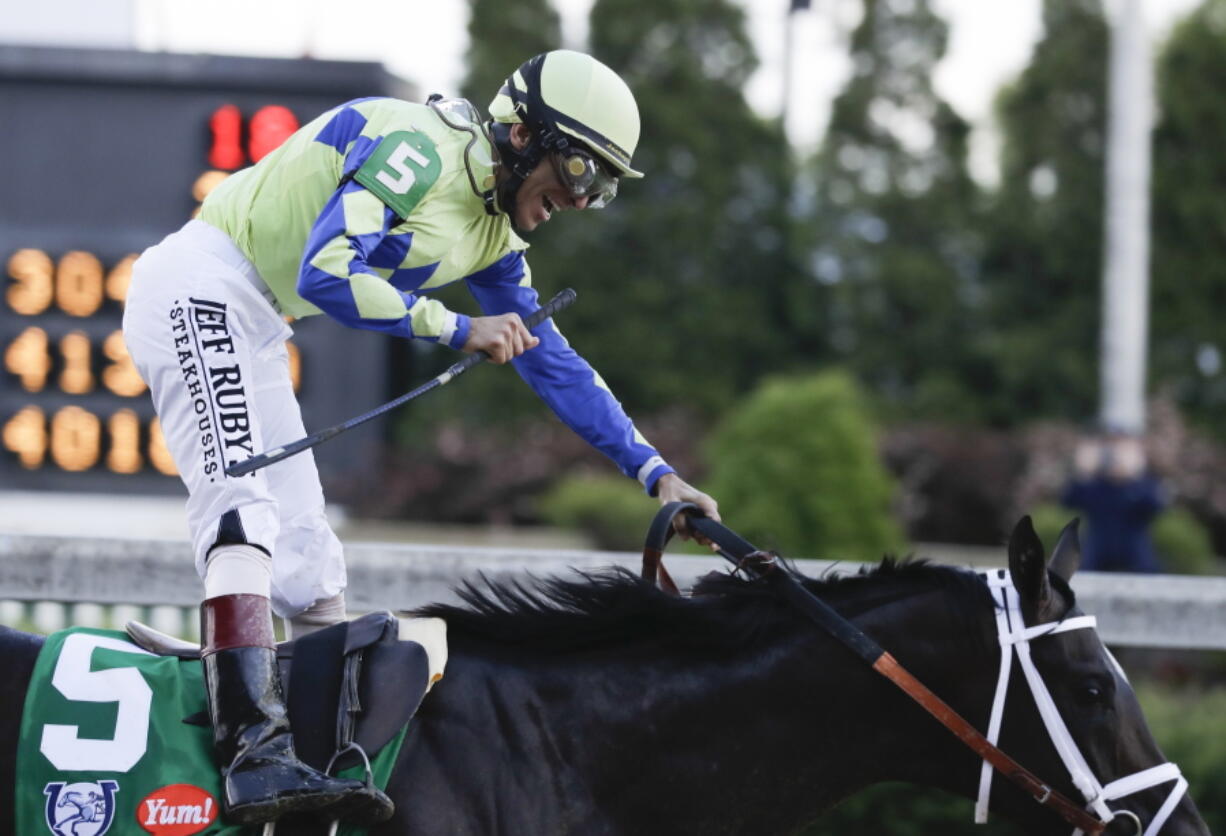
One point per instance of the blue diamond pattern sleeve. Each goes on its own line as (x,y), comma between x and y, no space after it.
(563,379)
(351,241)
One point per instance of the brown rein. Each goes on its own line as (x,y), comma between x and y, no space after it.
(744,556)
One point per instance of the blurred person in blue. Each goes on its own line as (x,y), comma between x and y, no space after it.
(361,214)
(1120,497)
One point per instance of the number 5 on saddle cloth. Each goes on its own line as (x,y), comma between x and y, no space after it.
(114,732)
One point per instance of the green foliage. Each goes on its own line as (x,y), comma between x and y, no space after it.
(1189,218)
(795,467)
(1182,541)
(1042,265)
(501,37)
(892,239)
(1049,520)
(1190,727)
(686,289)
(685,284)
(945,302)
(612,510)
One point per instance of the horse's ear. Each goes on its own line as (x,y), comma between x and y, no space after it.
(1028,567)
(1066,556)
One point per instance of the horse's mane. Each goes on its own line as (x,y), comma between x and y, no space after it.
(615,606)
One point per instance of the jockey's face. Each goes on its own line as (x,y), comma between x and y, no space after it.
(542,193)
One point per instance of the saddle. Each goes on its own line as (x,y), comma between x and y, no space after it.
(350,688)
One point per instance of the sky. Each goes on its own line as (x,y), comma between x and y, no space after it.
(425,41)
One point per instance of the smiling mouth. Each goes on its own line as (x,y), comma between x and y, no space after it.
(548,204)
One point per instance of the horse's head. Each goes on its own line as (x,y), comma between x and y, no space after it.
(1070,714)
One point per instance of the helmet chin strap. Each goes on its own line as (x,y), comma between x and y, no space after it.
(518,163)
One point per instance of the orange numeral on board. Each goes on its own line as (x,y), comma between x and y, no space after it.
(78,283)
(119,278)
(76,436)
(121,376)
(26,435)
(74,440)
(76,378)
(124,456)
(28,357)
(34,289)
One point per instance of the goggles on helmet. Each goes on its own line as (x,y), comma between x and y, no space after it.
(583,175)
(460,115)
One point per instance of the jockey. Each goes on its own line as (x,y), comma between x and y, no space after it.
(360,215)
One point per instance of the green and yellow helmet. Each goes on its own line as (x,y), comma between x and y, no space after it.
(570,101)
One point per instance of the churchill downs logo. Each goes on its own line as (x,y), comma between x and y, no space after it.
(214,381)
(81,809)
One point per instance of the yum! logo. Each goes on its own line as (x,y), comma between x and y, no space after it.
(176,810)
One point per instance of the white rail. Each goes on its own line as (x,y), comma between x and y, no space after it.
(1171,611)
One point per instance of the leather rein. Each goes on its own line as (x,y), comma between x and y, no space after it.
(745,557)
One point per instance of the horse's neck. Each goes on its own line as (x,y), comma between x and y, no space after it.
(758,741)
(765,741)
(749,744)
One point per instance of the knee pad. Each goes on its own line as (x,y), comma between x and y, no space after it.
(237,570)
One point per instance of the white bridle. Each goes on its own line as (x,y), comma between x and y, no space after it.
(1015,635)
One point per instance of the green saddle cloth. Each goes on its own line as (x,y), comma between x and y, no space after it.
(104,748)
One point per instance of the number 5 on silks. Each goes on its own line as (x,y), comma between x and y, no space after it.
(397,162)
(401,170)
(73,677)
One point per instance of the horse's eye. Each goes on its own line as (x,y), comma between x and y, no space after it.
(1090,695)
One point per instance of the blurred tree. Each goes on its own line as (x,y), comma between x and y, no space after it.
(893,242)
(1189,218)
(1042,267)
(686,289)
(501,37)
(613,512)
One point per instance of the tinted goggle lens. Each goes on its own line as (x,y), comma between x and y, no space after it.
(584,176)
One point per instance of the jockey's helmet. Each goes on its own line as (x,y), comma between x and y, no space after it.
(578,109)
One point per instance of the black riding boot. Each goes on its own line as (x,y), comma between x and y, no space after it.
(265,780)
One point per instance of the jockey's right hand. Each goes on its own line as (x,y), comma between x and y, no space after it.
(502,337)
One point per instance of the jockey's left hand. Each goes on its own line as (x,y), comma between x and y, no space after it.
(672,488)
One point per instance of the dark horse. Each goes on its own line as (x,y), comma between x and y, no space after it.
(600,705)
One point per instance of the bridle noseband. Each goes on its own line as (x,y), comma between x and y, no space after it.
(1012,634)
(1015,637)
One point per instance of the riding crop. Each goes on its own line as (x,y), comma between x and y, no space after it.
(744,556)
(559,302)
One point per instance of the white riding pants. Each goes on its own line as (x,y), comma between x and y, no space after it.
(211,347)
